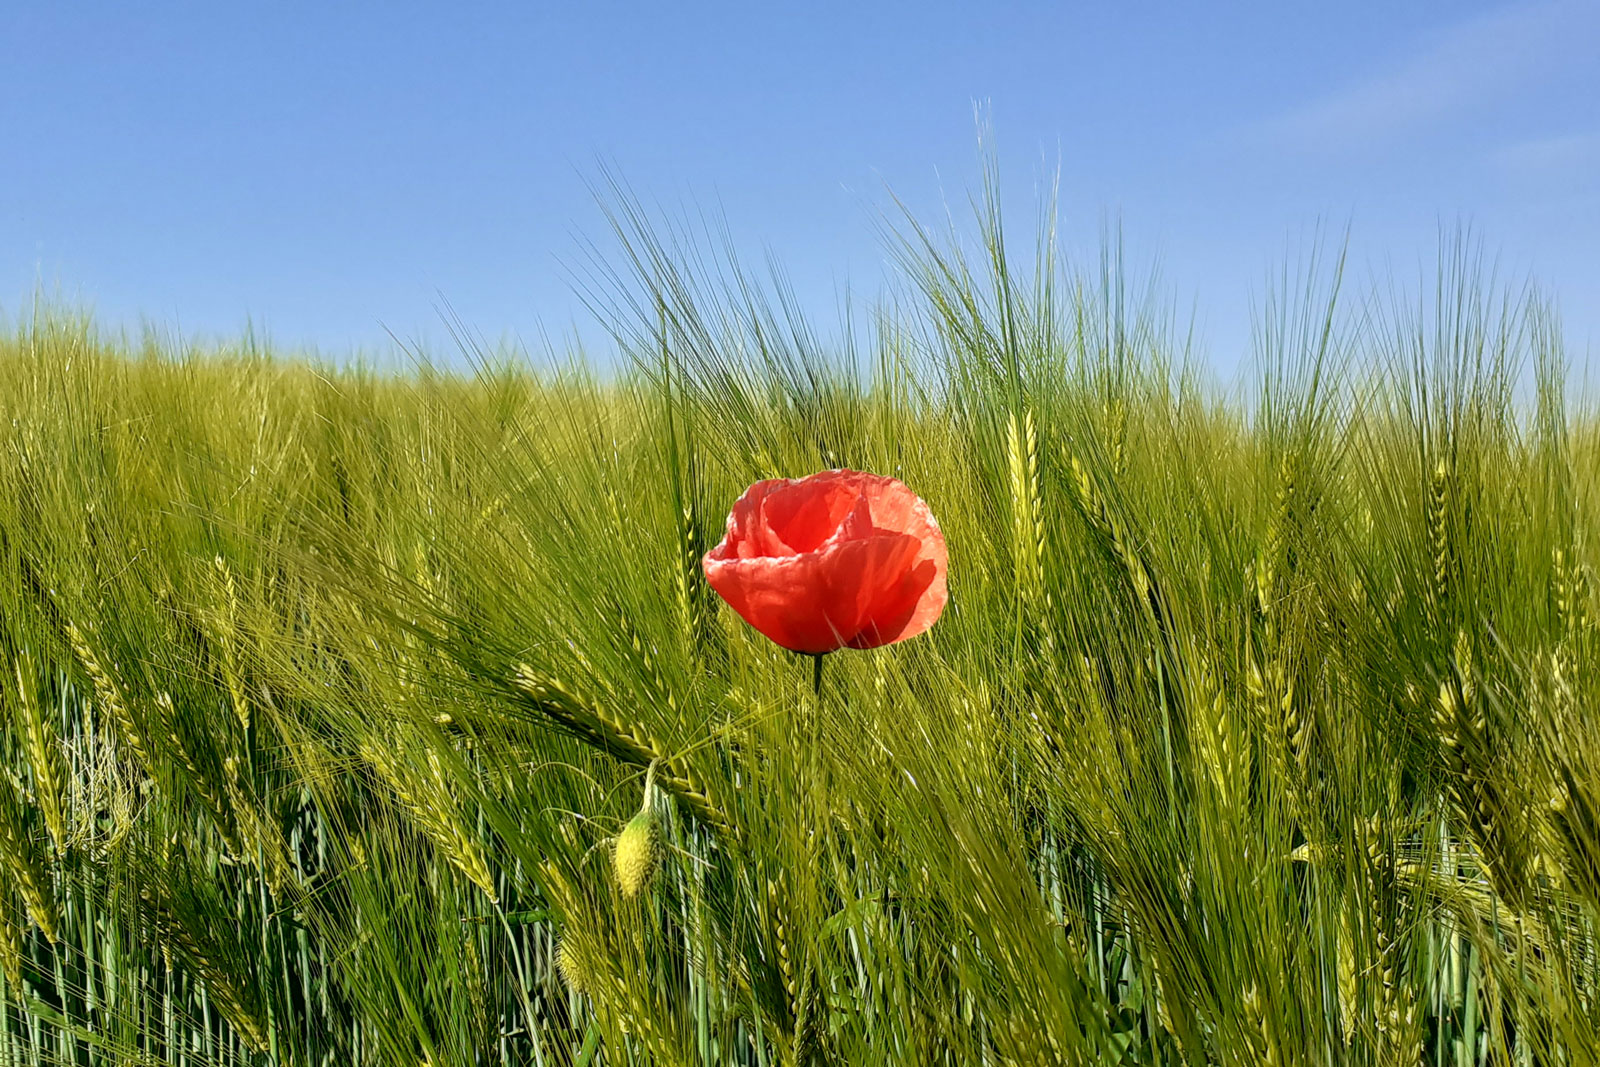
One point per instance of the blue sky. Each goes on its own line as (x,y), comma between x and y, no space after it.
(330,171)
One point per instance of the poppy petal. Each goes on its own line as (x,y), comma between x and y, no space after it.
(803,516)
(838,559)
(764,593)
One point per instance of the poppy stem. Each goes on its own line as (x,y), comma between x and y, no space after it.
(816,673)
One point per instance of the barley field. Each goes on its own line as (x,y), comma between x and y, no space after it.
(1262,726)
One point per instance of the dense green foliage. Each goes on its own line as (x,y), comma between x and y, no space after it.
(1257,731)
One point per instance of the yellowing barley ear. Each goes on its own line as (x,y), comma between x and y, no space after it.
(637,851)
(43,749)
(12,932)
(109,695)
(1022,453)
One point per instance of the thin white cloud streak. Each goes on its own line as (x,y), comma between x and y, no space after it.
(1469,63)
(1570,155)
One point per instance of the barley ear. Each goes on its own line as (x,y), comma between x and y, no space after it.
(1027,509)
(1479,800)
(43,749)
(593,723)
(1439,532)
(24,862)
(112,701)
(13,934)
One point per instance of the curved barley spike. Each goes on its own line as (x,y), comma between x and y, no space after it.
(20,855)
(43,749)
(647,657)
(1116,418)
(109,695)
(1387,911)
(1221,744)
(1480,803)
(1576,816)
(594,724)
(13,932)
(1284,729)
(1027,510)
(1029,546)
(174,745)
(777,909)
(1116,543)
(1571,582)
(808,1023)
(233,997)
(1261,1033)
(258,831)
(425,795)
(688,581)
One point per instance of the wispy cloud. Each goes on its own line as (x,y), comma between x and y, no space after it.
(1468,63)
(1570,155)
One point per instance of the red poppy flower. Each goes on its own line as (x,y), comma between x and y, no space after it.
(839,559)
